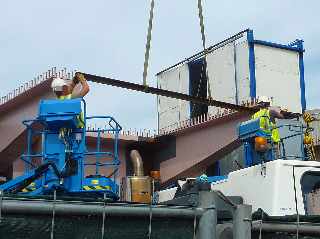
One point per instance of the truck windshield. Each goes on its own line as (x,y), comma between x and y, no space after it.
(310,184)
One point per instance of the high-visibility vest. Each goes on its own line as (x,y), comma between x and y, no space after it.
(266,125)
(65,97)
(79,117)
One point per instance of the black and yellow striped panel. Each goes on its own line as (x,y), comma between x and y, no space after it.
(97,187)
(31,187)
(307,117)
(27,190)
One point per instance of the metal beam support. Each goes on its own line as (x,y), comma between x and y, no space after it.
(242,222)
(208,221)
(166,93)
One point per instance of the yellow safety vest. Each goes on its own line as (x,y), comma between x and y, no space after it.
(65,97)
(79,117)
(266,125)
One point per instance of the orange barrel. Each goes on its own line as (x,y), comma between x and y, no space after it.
(155,174)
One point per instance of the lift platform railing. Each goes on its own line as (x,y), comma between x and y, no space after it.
(37,127)
(290,145)
(113,128)
(296,130)
(110,158)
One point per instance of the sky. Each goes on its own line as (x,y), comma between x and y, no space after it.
(108,38)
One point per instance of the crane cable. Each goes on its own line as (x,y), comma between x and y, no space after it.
(148,45)
(203,37)
(149,37)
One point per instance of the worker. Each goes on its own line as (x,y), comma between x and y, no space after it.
(267,115)
(64,90)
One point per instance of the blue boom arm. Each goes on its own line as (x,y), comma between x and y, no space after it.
(62,161)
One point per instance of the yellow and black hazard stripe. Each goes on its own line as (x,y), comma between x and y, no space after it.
(308,117)
(90,188)
(27,190)
(30,188)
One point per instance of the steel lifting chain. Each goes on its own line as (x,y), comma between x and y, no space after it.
(148,45)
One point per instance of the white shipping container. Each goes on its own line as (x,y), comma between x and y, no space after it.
(221,75)
(278,76)
(171,111)
(238,70)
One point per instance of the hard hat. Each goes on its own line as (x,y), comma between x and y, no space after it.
(203,178)
(57,84)
(265,99)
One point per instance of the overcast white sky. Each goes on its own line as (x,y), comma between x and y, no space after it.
(107,38)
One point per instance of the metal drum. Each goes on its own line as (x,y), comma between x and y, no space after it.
(137,189)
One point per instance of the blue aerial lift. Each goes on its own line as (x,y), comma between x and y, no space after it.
(60,166)
(259,148)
